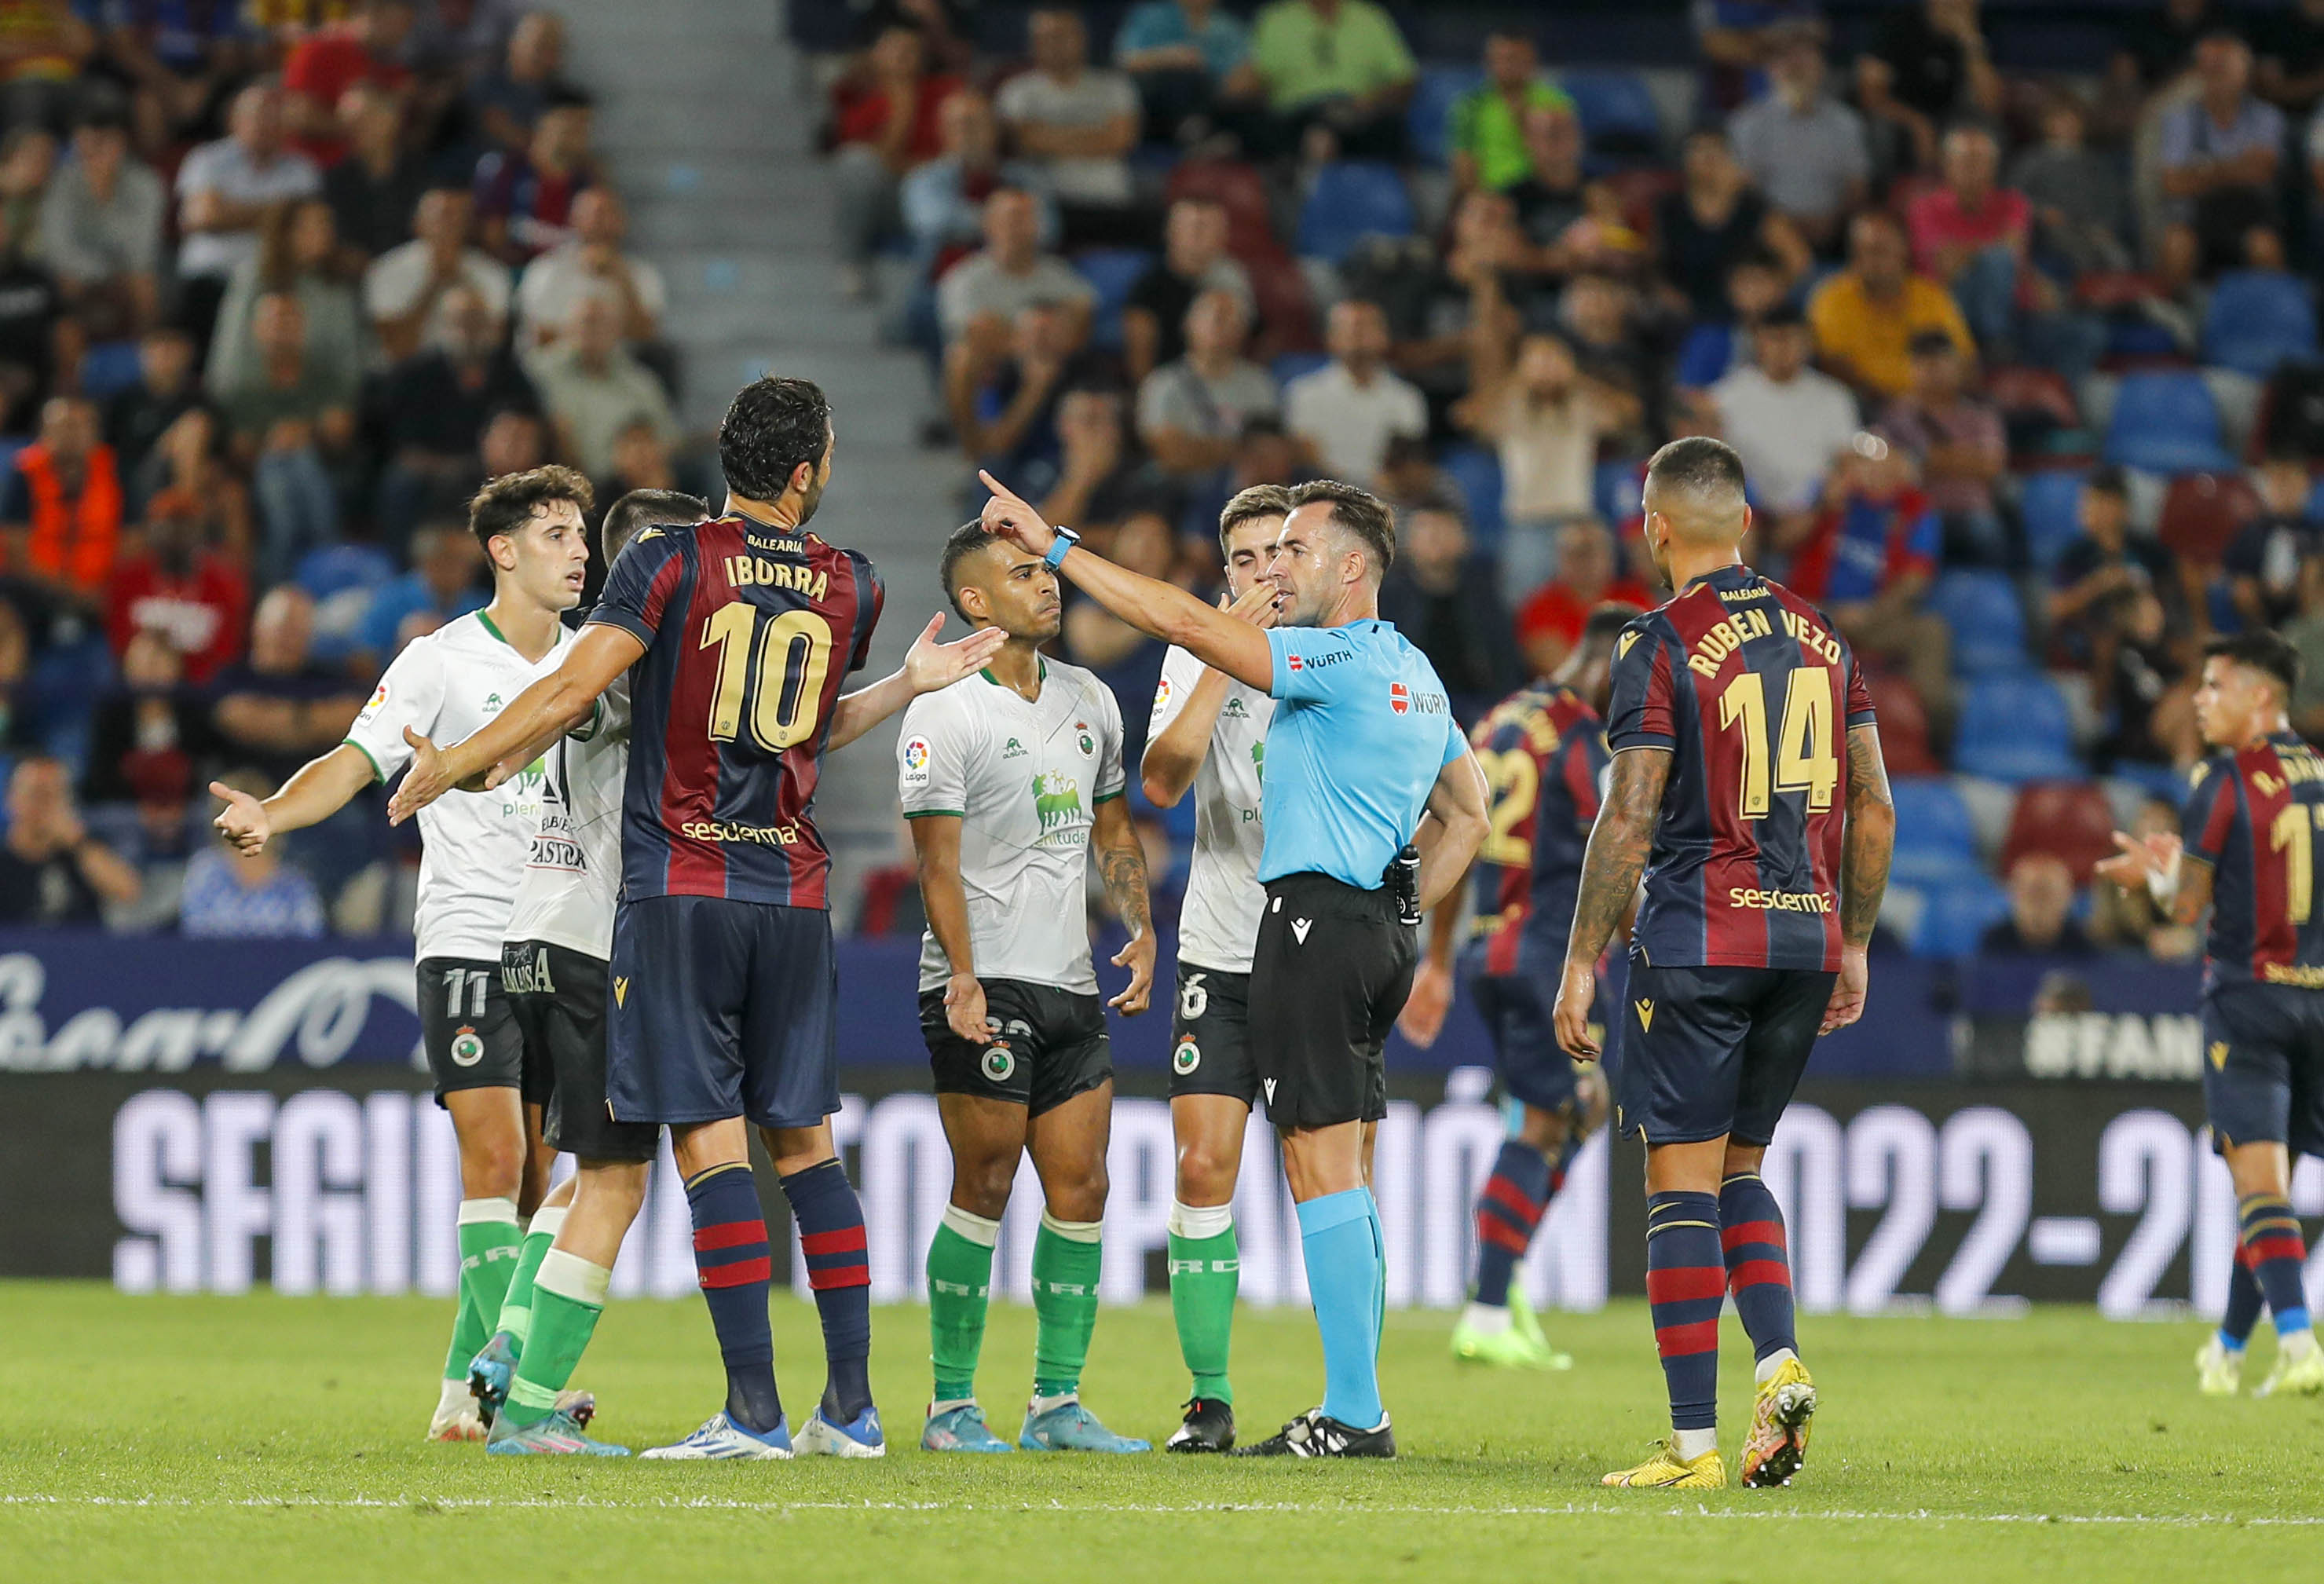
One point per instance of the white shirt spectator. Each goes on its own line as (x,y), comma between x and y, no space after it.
(1804,164)
(393,283)
(226,167)
(978,285)
(1092,100)
(1787,433)
(1351,424)
(559,279)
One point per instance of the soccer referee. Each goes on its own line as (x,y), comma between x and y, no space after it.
(1363,756)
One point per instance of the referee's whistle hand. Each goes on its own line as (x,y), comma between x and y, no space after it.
(1575,996)
(1258,604)
(1137,956)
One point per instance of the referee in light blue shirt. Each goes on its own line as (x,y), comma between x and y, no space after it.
(1363,757)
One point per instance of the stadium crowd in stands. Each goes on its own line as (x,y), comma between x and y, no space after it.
(2022,354)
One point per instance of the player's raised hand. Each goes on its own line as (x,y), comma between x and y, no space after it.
(965,1008)
(1137,956)
(1423,1017)
(1010,516)
(1575,996)
(931,665)
(242,821)
(2136,859)
(423,783)
(1847,991)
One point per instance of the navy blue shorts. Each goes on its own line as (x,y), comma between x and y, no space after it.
(1516,1008)
(1713,1050)
(722,1010)
(2263,1066)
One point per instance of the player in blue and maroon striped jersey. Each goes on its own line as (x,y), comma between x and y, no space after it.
(1747,791)
(736,634)
(2250,833)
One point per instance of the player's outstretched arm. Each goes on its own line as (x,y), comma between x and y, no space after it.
(1121,864)
(1866,846)
(320,788)
(928,667)
(935,838)
(1174,753)
(1158,609)
(542,713)
(1611,867)
(2159,862)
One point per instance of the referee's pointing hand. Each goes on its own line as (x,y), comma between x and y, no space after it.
(1010,516)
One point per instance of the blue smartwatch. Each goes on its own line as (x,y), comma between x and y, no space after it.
(1066,540)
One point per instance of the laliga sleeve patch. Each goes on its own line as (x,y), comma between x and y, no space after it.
(916,757)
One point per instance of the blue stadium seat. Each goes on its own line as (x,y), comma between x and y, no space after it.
(1354,199)
(2166,422)
(1988,622)
(1957,915)
(1617,112)
(336,568)
(2257,318)
(2051,505)
(1614,491)
(1110,272)
(108,368)
(1936,839)
(1429,120)
(1478,472)
(1290,365)
(2016,729)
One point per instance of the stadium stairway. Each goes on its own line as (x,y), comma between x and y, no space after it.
(706,119)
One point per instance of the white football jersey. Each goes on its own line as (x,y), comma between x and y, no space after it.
(575,873)
(472,844)
(1218,924)
(1026,778)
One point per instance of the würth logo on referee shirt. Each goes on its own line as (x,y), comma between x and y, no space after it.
(1399,697)
(1293,662)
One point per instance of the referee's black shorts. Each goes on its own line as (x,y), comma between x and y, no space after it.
(1328,977)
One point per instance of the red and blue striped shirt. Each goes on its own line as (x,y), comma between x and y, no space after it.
(2256,816)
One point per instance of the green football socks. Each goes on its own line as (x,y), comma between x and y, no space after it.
(489,1240)
(516,1309)
(1205,1269)
(960,1287)
(567,1297)
(1067,1259)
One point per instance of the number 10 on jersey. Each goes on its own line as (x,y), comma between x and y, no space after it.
(784,688)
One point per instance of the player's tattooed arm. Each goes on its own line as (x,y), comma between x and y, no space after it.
(936,839)
(1611,867)
(1869,842)
(1122,865)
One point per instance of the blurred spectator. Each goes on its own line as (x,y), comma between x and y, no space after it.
(298,255)
(2142,690)
(1717,346)
(279,709)
(1004,408)
(431,409)
(367,48)
(37,337)
(374,190)
(1807,152)
(1869,559)
(592,388)
(1338,78)
(20,723)
(1605,327)
(51,869)
(1786,421)
(1970,235)
(885,114)
(447,567)
(1926,67)
(1348,409)
(1092,457)
(2263,564)
(2219,154)
(1124,658)
(1487,123)
(1186,56)
(403,290)
(28,160)
(1553,197)
(1737,37)
(525,199)
(1075,124)
(1714,222)
(2081,205)
(2040,921)
(180,60)
(2100,570)
(1444,599)
(1191,412)
(61,513)
(2289,49)
(2305,632)
(516,440)
(189,469)
(137,415)
(2133,918)
(591,264)
(508,99)
(230,896)
(224,189)
(981,297)
(101,230)
(1194,260)
(148,740)
(1960,448)
(288,421)
(1865,316)
(942,200)
(641,461)
(45,47)
(2155,49)
(1549,622)
(1546,418)
(179,589)
(891,904)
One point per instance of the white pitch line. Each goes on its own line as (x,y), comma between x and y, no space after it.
(1566,1510)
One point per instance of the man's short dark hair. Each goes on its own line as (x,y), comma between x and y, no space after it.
(2262,650)
(1605,622)
(964,541)
(1697,465)
(505,504)
(1357,511)
(639,509)
(1258,500)
(772,426)
(2109,480)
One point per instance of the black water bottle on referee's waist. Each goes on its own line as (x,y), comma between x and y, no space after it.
(1403,878)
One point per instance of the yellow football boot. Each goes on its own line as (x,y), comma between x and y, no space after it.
(2300,1376)
(1779,1442)
(1664,1471)
(2218,1372)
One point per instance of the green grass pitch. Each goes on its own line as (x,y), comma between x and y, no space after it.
(266,1438)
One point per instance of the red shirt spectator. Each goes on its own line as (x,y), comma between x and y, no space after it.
(1865,546)
(525,201)
(1549,623)
(324,66)
(860,114)
(1968,213)
(179,589)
